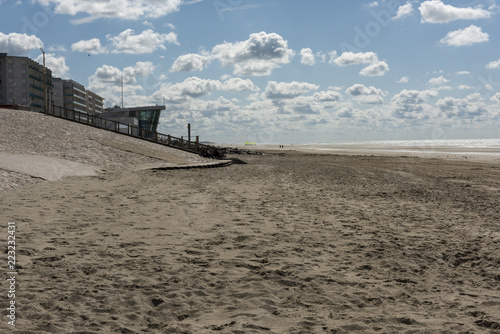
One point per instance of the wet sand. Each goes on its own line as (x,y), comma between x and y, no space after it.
(287,242)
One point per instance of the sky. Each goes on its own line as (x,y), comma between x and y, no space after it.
(278,71)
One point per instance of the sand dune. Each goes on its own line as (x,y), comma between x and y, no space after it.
(286,243)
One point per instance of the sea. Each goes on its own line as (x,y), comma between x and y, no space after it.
(465,143)
(453,147)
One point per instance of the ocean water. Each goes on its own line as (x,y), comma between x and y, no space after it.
(456,143)
(480,148)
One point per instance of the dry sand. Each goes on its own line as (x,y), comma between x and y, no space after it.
(286,243)
(40,140)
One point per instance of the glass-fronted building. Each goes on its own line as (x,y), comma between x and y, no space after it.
(146,117)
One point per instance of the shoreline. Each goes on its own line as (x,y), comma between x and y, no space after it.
(479,154)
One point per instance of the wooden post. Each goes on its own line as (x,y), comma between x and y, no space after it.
(197,142)
(189,134)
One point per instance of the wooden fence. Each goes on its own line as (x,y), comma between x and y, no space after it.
(96,120)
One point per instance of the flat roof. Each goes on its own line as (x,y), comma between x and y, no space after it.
(137,108)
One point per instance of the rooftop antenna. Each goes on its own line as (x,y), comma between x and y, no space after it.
(121,75)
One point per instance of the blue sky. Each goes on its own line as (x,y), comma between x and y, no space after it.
(271,71)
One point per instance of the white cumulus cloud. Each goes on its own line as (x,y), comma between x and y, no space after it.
(121,9)
(366,95)
(259,55)
(190,62)
(196,87)
(439,81)
(307,57)
(465,37)
(359,89)
(376,69)
(238,85)
(411,104)
(219,107)
(403,11)
(287,90)
(16,44)
(92,46)
(493,64)
(404,79)
(146,42)
(468,107)
(56,64)
(495,98)
(141,69)
(106,81)
(328,96)
(435,11)
(351,58)
(106,74)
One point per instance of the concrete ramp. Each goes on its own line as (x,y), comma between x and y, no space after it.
(44,167)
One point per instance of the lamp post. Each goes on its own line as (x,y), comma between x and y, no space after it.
(44,84)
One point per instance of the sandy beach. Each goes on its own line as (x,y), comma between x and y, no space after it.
(285,242)
(450,152)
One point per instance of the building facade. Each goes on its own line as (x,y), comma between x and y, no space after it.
(145,117)
(72,95)
(22,82)
(95,103)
